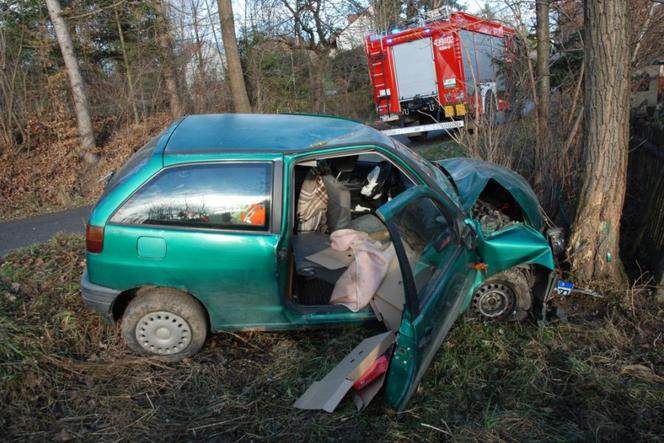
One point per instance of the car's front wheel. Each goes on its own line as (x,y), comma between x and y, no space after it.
(505,296)
(164,323)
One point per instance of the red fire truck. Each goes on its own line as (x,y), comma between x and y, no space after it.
(430,74)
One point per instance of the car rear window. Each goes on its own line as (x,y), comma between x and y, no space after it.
(135,162)
(219,196)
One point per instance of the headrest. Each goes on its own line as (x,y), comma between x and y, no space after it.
(342,164)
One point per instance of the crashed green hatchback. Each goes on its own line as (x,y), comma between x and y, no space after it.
(274,222)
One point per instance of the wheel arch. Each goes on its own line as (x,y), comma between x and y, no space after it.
(119,306)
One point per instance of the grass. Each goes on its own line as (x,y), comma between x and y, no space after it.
(64,374)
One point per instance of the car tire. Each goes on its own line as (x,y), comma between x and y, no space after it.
(164,323)
(503,297)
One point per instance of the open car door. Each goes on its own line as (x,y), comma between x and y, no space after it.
(437,277)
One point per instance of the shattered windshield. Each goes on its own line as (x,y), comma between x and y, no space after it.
(430,170)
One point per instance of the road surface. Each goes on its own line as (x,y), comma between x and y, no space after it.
(19,233)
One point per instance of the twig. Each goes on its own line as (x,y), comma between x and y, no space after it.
(436,429)
(211,425)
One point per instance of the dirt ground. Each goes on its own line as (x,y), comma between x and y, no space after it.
(65,375)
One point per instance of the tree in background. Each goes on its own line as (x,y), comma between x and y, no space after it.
(543,85)
(313,28)
(169,69)
(593,249)
(234,67)
(81,106)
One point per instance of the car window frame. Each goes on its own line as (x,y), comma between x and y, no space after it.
(395,160)
(414,304)
(441,269)
(273,227)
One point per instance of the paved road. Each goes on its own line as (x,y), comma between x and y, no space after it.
(19,233)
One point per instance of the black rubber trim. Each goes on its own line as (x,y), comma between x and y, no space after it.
(98,298)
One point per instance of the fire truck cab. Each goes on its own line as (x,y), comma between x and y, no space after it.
(431,73)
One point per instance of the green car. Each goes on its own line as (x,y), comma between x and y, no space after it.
(215,225)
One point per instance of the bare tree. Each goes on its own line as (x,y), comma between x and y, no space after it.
(543,85)
(315,28)
(168,62)
(85,128)
(594,242)
(125,60)
(234,71)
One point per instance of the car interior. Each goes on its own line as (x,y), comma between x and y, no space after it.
(346,191)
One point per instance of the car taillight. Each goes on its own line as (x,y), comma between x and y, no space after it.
(94,238)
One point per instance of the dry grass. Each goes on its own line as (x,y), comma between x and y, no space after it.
(66,375)
(46,178)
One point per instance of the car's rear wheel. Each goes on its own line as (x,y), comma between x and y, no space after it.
(164,323)
(505,296)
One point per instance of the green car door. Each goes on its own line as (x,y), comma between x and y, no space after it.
(435,265)
(210,229)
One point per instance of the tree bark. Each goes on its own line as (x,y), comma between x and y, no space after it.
(125,59)
(235,74)
(543,86)
(168,65)
(200,78)
(318,62)
(593,250)
(82,109)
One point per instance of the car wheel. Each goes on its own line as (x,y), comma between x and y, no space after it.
(164,323)
(505,296)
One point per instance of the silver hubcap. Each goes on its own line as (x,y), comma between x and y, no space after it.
(163,333)
(494,300)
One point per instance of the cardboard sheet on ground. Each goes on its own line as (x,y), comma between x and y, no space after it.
(388,302)
(363,398)
(326,394)
(332,259)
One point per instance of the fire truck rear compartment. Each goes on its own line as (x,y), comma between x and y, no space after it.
(415,70)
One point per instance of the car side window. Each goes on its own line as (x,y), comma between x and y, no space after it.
(218,196)
(428,240)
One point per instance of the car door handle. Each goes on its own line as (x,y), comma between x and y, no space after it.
(426,337)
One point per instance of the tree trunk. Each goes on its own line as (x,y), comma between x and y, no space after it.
(125,59)
(235,75)
(594,242)
(543,87)
(201,101)
(318,64)
(81,106)
(166,47)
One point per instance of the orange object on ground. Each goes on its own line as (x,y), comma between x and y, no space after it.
(378,368)
(255,215)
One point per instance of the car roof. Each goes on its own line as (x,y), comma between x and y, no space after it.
(283,133)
